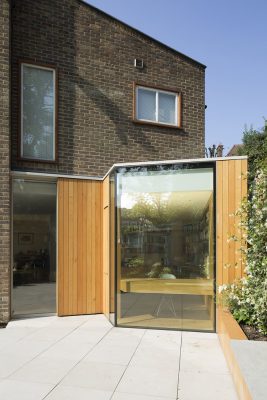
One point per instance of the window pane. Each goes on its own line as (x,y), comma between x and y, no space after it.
(38,101)
(167,109)
(146,105)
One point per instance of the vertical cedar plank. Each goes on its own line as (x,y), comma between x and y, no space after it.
(225,216)
(66,245)
(232,183)
(219,221)
(238,199)
(99,272)
(89,248)
(70,234)
(244,190)
(75,249)
(79,246)
(105,248)
(84,250)
(93,247)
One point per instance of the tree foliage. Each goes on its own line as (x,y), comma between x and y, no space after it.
(255,147)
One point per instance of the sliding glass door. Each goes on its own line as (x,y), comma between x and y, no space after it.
(165,247)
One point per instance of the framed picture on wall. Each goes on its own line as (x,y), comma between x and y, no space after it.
(25,238)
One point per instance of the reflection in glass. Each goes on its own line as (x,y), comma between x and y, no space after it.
(38,112)
(167,108)
(34,247)
(165,271)
(146,104)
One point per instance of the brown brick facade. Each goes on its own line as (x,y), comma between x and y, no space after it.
(4,162)
(95,56)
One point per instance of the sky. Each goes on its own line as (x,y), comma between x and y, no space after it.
(229,37)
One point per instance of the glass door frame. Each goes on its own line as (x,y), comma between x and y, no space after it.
(195,164)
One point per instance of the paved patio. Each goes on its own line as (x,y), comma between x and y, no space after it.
(87,358)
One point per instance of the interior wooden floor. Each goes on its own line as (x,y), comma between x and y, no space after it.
(186,312)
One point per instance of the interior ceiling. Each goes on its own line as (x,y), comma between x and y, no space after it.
(188,201)
(28,203)
(189,204)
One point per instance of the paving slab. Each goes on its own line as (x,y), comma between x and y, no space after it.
(85,357)
(251,356)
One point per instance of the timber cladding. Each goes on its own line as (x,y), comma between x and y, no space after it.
(85,253)
(80,271)
(231,188)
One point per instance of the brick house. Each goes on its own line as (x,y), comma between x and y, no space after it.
(81,91)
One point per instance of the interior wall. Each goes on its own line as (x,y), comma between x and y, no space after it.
(42,228)
(80,254)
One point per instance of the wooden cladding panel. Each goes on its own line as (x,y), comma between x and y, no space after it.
(231,188)
(80,272)
(106,247)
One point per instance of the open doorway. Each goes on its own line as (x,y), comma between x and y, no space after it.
(34,247)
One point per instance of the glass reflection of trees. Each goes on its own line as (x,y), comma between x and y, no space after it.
(38,113)
(147,228)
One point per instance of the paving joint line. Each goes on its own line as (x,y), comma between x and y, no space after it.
(89,351)
(43,351)
(127,365)
(179,365)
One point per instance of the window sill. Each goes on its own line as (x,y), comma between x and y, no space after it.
(139,122)
(35,160)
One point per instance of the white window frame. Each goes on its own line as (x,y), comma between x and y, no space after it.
(157,91)
(37,66)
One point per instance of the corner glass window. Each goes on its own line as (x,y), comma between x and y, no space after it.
(165,247)
(157,106)
(37,112)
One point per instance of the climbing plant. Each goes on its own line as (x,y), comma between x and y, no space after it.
(247,298)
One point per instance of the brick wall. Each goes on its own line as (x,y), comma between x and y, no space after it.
(4,162)
(94,55)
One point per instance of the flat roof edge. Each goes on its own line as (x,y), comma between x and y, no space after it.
(186,160)
(44,175)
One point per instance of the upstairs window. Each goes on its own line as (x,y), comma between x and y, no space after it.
(38,113)
(157,106)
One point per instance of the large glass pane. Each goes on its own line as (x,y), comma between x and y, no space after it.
(146,104)
(34,247)
(38,113)
(165,263)
(167,108)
